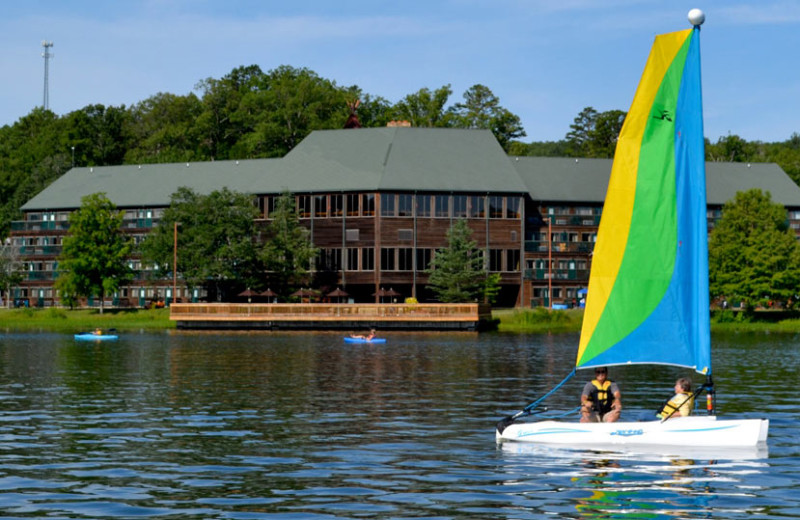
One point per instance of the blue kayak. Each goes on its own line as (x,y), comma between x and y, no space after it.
(90,336)
(362,340)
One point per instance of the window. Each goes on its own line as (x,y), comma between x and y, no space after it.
(512,207)
(388,208)
(304,206)
(329,260)
(441,206)
(423,206)
(495,260)
(495,207)
(320,206)
(512,260)
(266,206)
(336,205)
(459,206)
(405,205)
(353,205)
(367,259)
(424,258)
(405,259)
(476,207)
(387,259)
(368,205)
(352,259)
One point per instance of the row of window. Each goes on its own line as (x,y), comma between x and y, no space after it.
(404,259)
(400,205)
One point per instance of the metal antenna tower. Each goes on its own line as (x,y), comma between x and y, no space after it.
(46,55)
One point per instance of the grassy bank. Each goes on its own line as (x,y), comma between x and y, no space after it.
(541,320)
(65,320)
(538,320)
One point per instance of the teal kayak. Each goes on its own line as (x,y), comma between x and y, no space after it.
(363,340)
(90,336)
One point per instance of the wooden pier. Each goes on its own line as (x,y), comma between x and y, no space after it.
(316,316)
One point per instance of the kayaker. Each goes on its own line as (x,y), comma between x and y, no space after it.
(98,332)
(681,404)
(601,400)
(367,337)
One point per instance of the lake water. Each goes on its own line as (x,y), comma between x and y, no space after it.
(302,426)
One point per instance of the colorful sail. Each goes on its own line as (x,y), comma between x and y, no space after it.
(648,290)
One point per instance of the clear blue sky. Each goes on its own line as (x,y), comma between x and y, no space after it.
(545,59)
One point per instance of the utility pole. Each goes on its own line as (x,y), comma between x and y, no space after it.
(46,55)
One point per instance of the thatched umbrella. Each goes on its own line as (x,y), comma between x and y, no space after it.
(381,293)
(269,293)
(391,293)
(338,294)
(247,293)
(304,293)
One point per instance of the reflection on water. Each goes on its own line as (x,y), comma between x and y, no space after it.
(257,425)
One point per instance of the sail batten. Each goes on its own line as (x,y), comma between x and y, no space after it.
(647,300)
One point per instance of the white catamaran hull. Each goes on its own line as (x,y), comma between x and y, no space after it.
(680,431)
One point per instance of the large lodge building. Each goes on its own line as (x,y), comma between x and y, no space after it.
(378,203)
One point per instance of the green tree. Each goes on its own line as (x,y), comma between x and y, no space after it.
(456,273)
(425,108)
(215,241)
(288,251)
(94,253)
(595,134)
(10,268)
(164,129)
(753,254)
(481,109)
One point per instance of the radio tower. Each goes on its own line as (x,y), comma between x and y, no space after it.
(46,55)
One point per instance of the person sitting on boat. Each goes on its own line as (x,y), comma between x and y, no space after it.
(98,332)
(601,400)
(367,337)
(681,404)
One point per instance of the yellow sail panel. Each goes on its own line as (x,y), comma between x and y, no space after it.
(615,224)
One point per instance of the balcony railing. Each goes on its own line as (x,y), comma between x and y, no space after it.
(541,246)
(40,250)
(557,274)
(39,225)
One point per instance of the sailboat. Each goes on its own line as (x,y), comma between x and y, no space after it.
(648,296)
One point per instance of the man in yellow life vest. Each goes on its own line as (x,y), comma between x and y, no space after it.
(601,400)
(681,404)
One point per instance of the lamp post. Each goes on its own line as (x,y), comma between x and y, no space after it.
(549,262)
(174,261)
(73,156)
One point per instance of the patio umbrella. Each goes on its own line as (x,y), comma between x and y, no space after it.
(269,293)
(391,293)
(247,293)
(338,294)
(381,294)
(304,293)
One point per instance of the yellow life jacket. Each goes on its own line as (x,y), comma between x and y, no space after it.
(681,402)
(601,396)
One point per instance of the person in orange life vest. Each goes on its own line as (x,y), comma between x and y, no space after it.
(601,400)
(681,404)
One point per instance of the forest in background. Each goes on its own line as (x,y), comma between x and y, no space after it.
(250,113)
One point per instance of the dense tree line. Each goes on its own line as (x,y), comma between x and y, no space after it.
(250,113)
(594,134)
(246,114)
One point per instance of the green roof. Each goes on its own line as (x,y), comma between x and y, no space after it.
(389,159)
(586,180)
(373,159)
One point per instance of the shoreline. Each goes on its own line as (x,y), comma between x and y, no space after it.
(531,321)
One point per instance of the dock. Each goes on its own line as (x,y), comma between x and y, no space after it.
(326,316)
